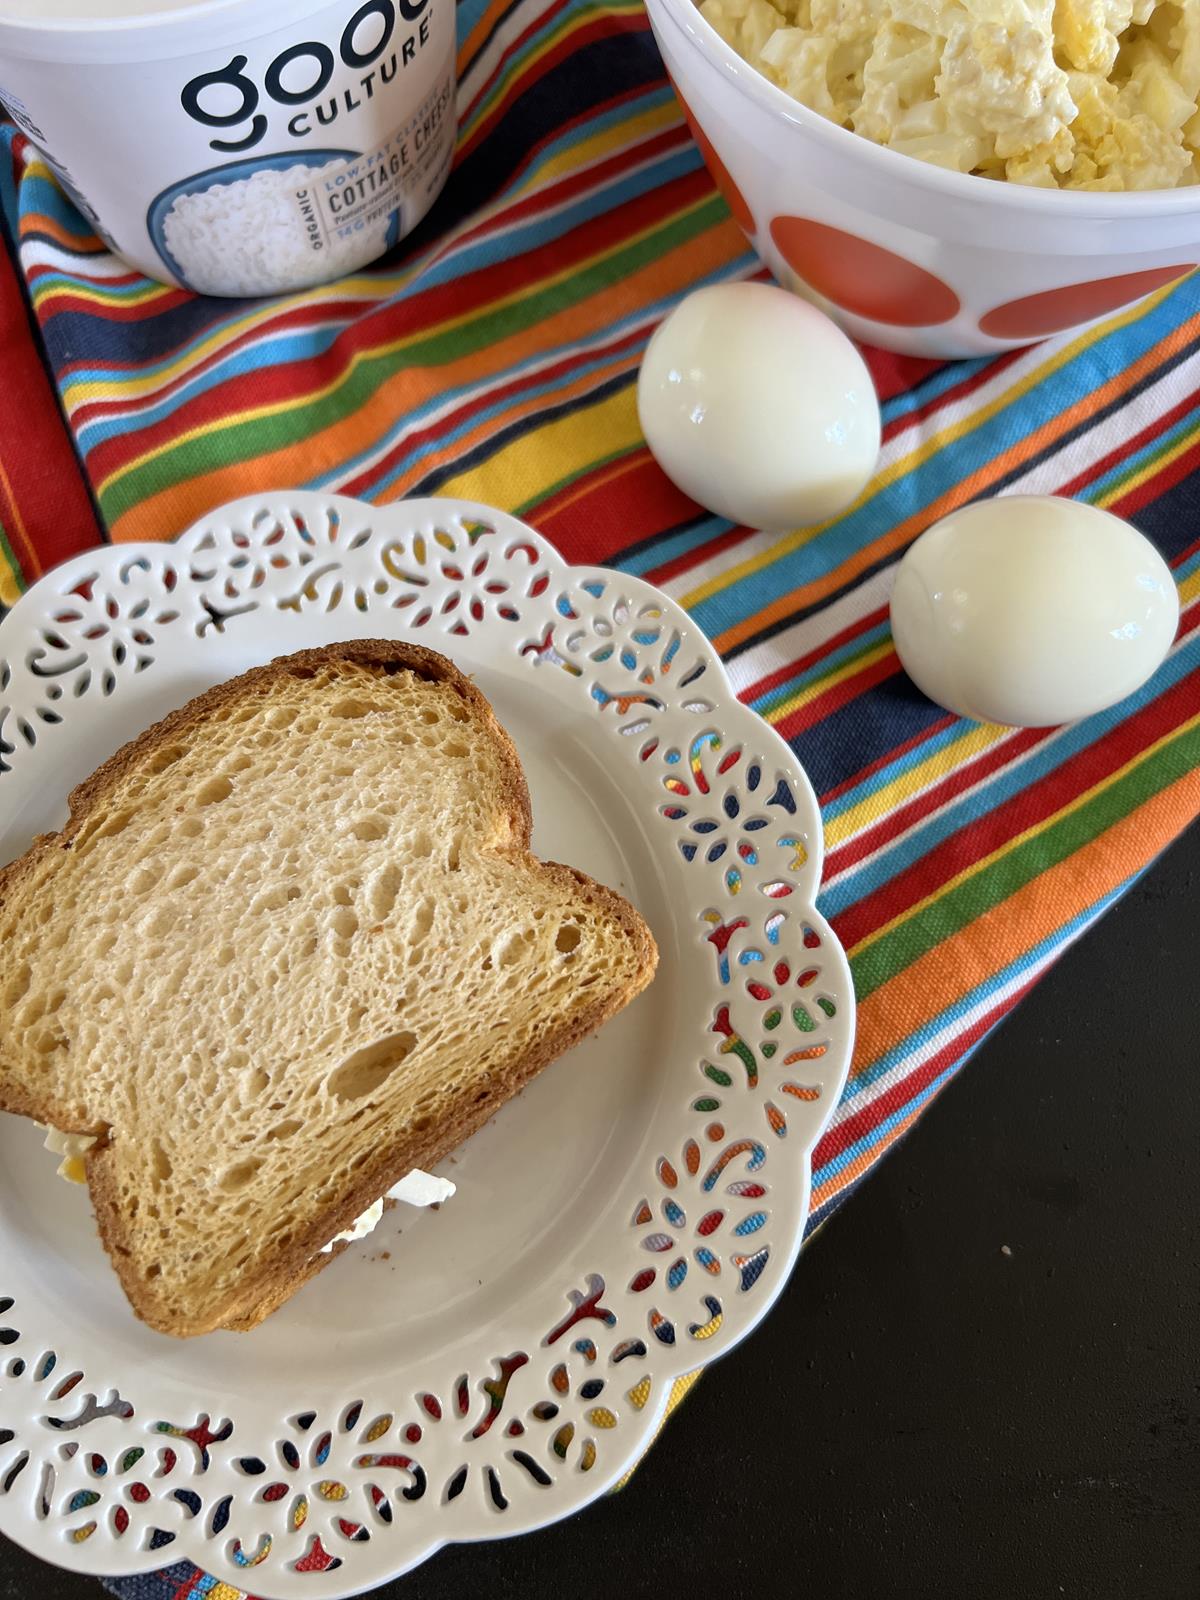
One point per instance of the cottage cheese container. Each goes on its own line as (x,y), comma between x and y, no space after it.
(238,147)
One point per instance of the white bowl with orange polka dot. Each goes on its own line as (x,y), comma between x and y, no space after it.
(905,254)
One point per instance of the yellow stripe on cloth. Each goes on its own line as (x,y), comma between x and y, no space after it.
(679,1390)
(1022,838)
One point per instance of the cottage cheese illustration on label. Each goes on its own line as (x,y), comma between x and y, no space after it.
(250,159)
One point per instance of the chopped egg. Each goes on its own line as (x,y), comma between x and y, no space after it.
(417,1189)
(72,1147)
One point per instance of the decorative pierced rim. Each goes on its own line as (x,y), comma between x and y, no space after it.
(121,1451)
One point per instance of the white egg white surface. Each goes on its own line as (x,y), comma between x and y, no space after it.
(757,406)
(1032,610)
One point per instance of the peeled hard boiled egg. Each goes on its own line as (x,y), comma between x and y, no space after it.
(757,406)
(1032,611)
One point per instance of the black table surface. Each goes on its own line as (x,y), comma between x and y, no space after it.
(983,1380)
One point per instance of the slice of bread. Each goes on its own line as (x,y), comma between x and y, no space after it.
(290,945)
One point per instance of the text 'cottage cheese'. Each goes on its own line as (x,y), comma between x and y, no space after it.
(238,147)
(1078,94)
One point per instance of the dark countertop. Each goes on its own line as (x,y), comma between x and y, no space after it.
(926,1413)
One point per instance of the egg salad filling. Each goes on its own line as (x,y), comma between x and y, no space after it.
(1072,94)
(416,1189)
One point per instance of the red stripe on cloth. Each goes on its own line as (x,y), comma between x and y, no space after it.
(47,513)
(955,783)
(880,762)
(482,400)
(541,20)
(956,393)
(897,1095)
(1127,448)
(699,553)
(895,374)
(849,688)
(573,183)
(981,836)
(282,322)
(1165,478)
(781,675)
(616,505)
(454,300)
(604,27)
(66,300)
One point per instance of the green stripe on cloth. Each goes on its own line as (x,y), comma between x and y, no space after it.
(924,929)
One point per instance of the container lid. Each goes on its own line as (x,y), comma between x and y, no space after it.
(49,12)
(126,31)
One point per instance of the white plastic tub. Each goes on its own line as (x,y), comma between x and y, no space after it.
(238,147)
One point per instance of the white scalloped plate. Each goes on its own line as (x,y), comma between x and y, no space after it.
(497,1365)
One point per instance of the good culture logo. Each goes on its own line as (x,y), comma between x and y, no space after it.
(298,76)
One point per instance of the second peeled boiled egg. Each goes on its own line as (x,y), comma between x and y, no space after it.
(756,405)
(1032,610)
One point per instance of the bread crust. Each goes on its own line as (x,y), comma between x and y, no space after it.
(278,1278)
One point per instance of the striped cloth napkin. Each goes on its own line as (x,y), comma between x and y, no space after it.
(494,357)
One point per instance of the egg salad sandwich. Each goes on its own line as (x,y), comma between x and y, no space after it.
(290,948)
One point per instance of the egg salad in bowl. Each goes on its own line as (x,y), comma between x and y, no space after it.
(1078,94)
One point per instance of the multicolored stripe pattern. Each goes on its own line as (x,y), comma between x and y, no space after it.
(495,356)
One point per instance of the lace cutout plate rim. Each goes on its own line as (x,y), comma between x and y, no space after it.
(396,1405)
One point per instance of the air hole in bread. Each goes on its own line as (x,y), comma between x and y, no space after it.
(369,827)
(430,717)
(285,1129)
(166,757)
(567,938)
(273,899)
(342,895)
(102,828)
(18,985)
(421,925)
(240,1174)
(381,895)
(154,1270)
(514,946)
(350,707)
(455,749)
(161,1167)
(191,827)
(369,1069)
(214,791)
(183,875)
